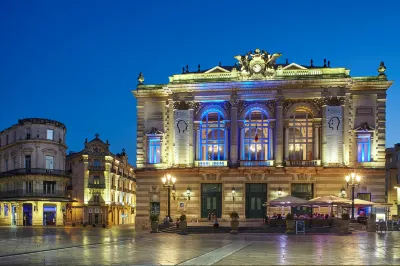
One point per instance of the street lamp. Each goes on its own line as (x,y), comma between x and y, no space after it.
(233,193)
(353,180)
(169,182)
(188,192)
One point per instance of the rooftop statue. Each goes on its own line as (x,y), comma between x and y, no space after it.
(257,65)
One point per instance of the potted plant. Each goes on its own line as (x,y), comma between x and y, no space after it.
(154,223)
(345,223)
(234,222)
(183,224)
(290,224)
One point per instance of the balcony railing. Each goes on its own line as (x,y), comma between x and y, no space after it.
(245,163)
(307,163)
(35,171)
(96,167)
(34,193)
(210,163)
(90,185)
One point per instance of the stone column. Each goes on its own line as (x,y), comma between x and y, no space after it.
(234,131)
(346,123)
(316,141)
(198,147)
(324,155)
(241,128)
(190,161)
(271,140)
(279,133)
(286,146)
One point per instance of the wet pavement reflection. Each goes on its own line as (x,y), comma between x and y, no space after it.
(98,246)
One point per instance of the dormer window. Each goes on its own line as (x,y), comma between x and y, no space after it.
(50,134)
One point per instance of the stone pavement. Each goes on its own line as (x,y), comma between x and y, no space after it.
(124,246)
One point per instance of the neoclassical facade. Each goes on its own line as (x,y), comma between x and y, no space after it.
(260,129)
(33,179)
(103,186)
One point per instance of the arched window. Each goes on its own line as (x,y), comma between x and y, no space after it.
(256,137)
(212,137)
(301,135)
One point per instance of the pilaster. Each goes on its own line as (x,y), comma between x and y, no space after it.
(279,133)
(234,130)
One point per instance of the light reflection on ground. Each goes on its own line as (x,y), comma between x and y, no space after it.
(88,246)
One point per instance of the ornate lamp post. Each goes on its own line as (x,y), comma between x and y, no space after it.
(169,182)
(353,180)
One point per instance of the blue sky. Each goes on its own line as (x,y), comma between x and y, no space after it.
(76,61)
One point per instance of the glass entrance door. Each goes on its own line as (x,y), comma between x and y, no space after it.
(211,200)
(256,196)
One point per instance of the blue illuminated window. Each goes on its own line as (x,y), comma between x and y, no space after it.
(300,136)
(256,137)
(364,148)
(212,137)
(154,151)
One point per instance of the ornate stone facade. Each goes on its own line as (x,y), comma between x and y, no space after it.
(32,173)
(103,185)
(306,131)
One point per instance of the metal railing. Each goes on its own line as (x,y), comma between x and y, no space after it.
(96,167)
(210,163)
(90,185)
(256,163)
(303,163)
(32,193)
(35,171)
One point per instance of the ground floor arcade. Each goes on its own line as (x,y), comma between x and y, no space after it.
(100,214)
(32,213)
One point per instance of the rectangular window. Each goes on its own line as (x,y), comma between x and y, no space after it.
(364,196)
(5,209)
(28,162)
(49,162)
(6,162)
(49,187)
(364,148)
(96,198)
(50,134)
(154,151)
(15,162)
(96,163)
(96,180)
(28,186)
(303,191)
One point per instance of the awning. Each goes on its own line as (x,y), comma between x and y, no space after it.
(287,201)
(328,201)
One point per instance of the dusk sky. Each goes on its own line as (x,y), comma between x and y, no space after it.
(77,61)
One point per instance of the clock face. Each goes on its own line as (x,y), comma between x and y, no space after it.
(257,68)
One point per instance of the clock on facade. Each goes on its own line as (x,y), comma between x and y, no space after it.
(256,68)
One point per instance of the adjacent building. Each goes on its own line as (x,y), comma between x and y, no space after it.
(33,179)
(103,186)
(237,136)
(392,179)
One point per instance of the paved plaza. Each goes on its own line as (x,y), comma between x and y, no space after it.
(124,246)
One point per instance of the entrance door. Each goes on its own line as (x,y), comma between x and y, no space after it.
(256,196)
(14,215)
(27,214)
(49,215)
(211,200)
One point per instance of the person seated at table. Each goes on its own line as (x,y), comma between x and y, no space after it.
(274,216)
(279,216)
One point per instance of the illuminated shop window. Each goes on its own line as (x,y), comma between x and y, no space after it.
(255,137)
(154,151)
(364,148)
(212,137)
(301,136)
